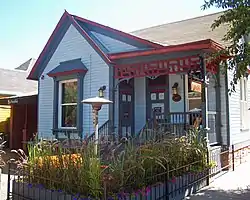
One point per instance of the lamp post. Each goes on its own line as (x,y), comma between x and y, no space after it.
(96,103)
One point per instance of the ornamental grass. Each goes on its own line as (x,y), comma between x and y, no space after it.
(123,167)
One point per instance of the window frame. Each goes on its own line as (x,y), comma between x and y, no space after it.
(60,104)
(243,104)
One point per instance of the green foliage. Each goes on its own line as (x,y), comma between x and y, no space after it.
(2,162)
(128,167)
(237,17)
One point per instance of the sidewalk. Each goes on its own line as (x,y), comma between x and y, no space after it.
(232,185)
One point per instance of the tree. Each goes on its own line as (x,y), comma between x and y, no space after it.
(237,17)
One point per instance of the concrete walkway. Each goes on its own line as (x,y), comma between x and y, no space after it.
(3,189)
(232,185)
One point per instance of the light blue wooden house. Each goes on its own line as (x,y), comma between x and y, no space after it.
(152,75)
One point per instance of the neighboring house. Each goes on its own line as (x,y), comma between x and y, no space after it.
(158,78)
(14,83)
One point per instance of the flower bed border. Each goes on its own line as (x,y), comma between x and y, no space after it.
(178,188)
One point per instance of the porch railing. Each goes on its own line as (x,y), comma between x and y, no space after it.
(105,132)
(177,124)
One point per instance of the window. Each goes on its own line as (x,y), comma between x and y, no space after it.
(243,103)
(67,115)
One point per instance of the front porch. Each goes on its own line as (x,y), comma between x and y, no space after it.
(170,103)
(172,89)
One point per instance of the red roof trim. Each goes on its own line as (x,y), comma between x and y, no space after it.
(123,34)
(78,27)
(202,44)
(74,71)
(62,19)
(92,43)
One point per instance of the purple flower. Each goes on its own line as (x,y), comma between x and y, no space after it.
(39,186)
(29,185)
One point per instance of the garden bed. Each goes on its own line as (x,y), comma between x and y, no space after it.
(173,167)
(177,189)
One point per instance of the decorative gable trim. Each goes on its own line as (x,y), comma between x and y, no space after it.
(54,40)
(119,33)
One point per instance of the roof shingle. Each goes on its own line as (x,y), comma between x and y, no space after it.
(14,82)
(185,31)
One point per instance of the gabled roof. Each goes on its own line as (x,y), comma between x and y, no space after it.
(114,33)
(185,31)
(26,65)
(54,40)
(82,25)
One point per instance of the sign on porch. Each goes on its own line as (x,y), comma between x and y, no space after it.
(156,68)
(196,87)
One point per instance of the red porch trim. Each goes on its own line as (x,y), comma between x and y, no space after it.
(67,72)
(159,67)
(198,45)
(123,34)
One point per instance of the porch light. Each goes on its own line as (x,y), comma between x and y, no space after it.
(101,91)
(96,103)
(174,88)
(176,97)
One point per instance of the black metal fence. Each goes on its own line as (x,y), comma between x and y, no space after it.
(170,184)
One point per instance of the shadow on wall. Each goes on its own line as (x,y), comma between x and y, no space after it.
(211,193)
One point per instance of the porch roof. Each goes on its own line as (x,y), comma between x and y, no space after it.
(167,64)
(208,45)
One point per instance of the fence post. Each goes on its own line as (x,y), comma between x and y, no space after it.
(8,184)
(166,183)
(105,190)
(233,157)
(208,169)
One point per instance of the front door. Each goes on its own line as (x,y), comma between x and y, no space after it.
(126,108)
(157,97)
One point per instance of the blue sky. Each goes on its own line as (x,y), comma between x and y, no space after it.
(27,24)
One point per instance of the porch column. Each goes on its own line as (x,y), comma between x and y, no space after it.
(116,106)
(204,95)
(140,103)
(218,107)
